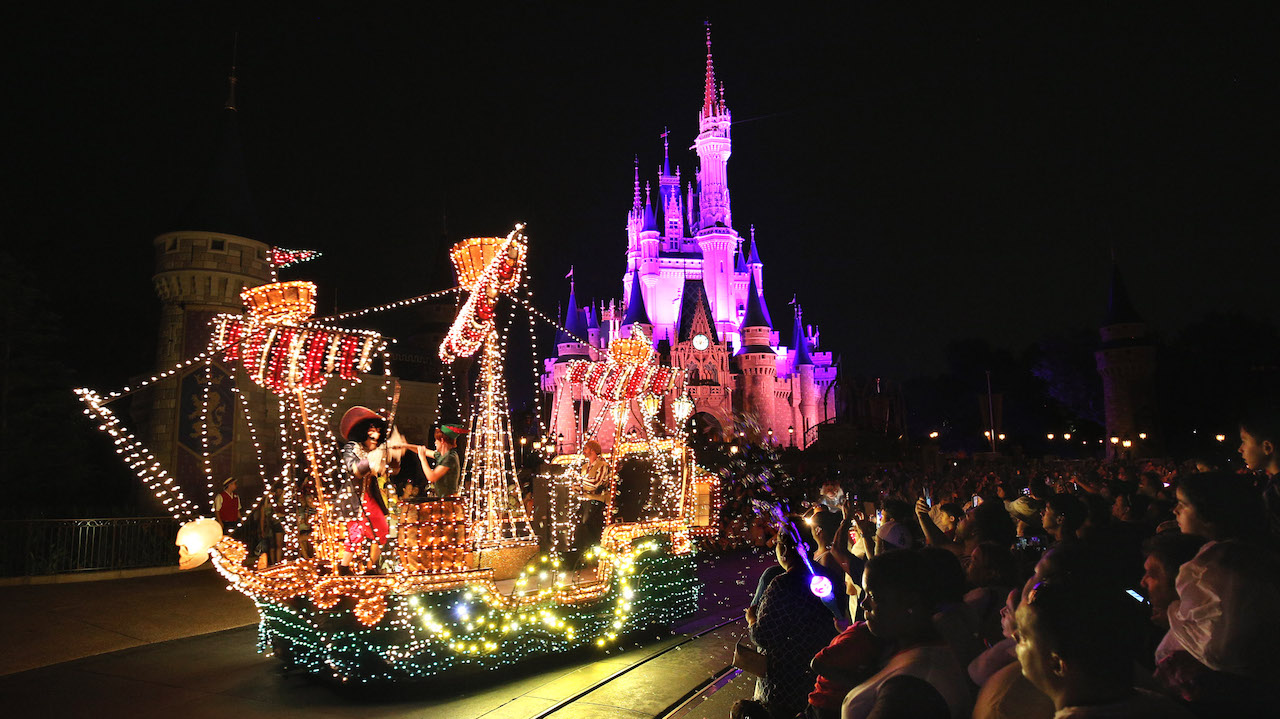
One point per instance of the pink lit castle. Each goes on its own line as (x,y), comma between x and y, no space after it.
(697,293)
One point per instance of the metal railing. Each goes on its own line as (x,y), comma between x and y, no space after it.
(55,546)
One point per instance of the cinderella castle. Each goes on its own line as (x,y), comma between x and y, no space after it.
(695,287)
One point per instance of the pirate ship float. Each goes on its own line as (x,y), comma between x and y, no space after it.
(469,585)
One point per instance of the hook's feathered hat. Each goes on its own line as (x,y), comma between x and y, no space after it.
(354,426)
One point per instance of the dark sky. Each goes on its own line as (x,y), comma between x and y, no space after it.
(916,173)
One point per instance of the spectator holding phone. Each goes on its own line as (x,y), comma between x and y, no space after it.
(1028,505)
(985,522)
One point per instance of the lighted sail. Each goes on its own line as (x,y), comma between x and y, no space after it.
(486,267)
(282,354)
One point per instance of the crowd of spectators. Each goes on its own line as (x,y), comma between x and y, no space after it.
(1063,589)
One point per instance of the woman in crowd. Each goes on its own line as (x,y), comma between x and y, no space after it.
(1062,517)
(824,526)
(1000,653)
(992,573)
(850,658)
(790,626)
(900,597)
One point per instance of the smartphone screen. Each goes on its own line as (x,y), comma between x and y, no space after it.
(1137,597)
(977,499)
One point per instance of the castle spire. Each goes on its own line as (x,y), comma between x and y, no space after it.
(635,187)
(801,342)
(231,79)
(710,102)
(223,203)
(666,154)
(1119,307)
(650,221)
(575,321)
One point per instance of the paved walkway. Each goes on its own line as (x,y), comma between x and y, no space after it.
(43,624)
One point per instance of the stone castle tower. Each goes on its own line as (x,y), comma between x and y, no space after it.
(698,293)
(1126,359)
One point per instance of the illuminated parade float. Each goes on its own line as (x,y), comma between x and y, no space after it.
(463,582)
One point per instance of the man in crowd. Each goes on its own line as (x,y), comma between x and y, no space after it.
(1260,448)
(1072,637)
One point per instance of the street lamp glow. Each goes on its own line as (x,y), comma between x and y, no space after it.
(1001,436)
(933,435)
(1142,435)
(1050,436)
(1066,436)
(1126,444)
(1220,437)
(1115,440)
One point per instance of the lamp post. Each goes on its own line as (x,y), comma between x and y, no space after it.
(791,435)
(523,442)
(681,408)
(649,406)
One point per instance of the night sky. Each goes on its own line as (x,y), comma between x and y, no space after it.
(915,174)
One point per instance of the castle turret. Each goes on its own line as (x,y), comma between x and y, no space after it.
(568,401)
(804,392)
(593,327)
(756,359)
(572,341)
(635,221)
(753,261)
(716,237)
(669,196)
(215,251)
(714,147)
(1126,360)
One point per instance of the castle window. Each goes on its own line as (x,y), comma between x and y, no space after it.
(217,245)
(171,245)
